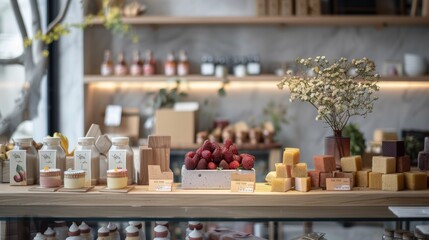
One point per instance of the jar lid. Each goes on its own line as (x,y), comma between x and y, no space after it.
(132,229)
(51,140)
(74,230)
(24,140)
(87,140)
(120,140)
(160,228)
(84,228)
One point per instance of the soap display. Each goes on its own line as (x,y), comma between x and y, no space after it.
(117,178)
(423,157)
(50,177)
(74,179)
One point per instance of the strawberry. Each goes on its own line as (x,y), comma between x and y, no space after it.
(233,149)
(212,165)
(228,156)
(236,158)
(227,143)
(202,164)
(243,155)
(207,145)
(206,154)
(199,152)
(214,146)
(217,155)
(248,161)
(190,154)
(234,165)
(190,163)
(223,164)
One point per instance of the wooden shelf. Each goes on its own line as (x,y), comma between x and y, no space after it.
(327,20)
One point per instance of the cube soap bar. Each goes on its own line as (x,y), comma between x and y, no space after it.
(393,182)
(415,180)
(291,156)
(362,178)
(382,135)
(403,164)
(324,163)
(351,175)
(351,164)
(302,184)
(383,164)
(299,170)
(315,178)
(281,184)
(281,170)
(323,177)
(423,161)
(375,179)
(393,148)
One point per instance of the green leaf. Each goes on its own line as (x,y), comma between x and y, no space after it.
(19,168)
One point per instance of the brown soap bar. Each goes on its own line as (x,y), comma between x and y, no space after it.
(403,164)
(323,177)
(375,180)
(383,164)
(315,178)
(423,161)
(415,180)
(350,175)
(362,178)
(393,182)
(351,164)
(393,148)
(324,163)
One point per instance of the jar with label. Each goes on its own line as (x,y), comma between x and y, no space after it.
(240,68)
(207,66)
(107,65)
(221,69)
(137,66)
(149,67)
(254,66)
(52,155)
(170,65)
(183,65)
(121,67)
(86,157)
(122,156)
(24,168)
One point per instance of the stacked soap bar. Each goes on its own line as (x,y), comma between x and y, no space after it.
(353,165)
(423,159)
(396,149)
(324,167)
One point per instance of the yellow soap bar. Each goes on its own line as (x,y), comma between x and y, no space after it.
(415,180)
(299,170)
(382,164)
(281,184)
(281,170)
(393,182)
(302,184)
(375,180)
(351,164)
(362,178)
(291,156)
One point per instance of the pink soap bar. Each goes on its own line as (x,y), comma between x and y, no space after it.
(315,178)
(324,163)
(323,177)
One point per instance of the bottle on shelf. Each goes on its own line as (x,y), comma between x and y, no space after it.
(170,65)
(107,65)
(207,66)
(85,231)
(139,227)
(136,68)
(183,65)
(121,145)
(50,234)
(29,174)
(113,231)
(86,151)
(132,233)
(149,67)
(240,67)
(221,70)
(254,65)
(121,68)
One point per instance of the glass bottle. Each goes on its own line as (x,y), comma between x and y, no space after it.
(254,66)
(87,143)
(207,66)
(240,68)
(149,67)
(136,68)
(221,70)
(74,233)
(85,231)
(132,233)
(121,144)
(32,160)
(183,65)
(170,65)
(121,68)
(107,65)
(113,231)
(103,233)
(52,148)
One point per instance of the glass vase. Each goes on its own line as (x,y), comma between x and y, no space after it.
(337,146)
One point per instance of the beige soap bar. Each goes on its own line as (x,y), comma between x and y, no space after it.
(415,180)
(393,182)
(362,178)
(382,164)
(291,156)
(375,180)
(351,164)
(281,184)
(302,184)
(281,170)
(299,170)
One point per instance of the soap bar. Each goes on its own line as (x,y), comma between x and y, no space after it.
(299,170)
(351,164)
(93,131)
(281,171)
(382,135)
(351,175)
(362,178)
(375,180)
(393,148)
(423,161)
(324,163)
(281,184)
(302,184)
(415,180)
(382,164)
(315,178)
(393,182)
(403,164)
(103,144)
(323,177)
(291,156)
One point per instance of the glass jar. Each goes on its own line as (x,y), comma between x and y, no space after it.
(32,160)
(52,155)
(87,143)
(121,144)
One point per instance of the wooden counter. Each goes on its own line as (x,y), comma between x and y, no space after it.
(17,201)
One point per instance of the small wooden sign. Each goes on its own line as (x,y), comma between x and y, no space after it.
(338,184)
(244,183)
(159,181)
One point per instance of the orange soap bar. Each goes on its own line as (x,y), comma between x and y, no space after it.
(302,184)
(393,182)
(315,178)
(375,180)
(383,164)
(351,164)
(415,180)
(362,178)
(291,156)
(324,163)
(299,170)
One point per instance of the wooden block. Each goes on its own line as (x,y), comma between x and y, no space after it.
(351,164)
(393,148)
(281,184)
(403,164)
(286,7)
(382,164)
(146,159)
(393,182)
(93,131)
(375,180)
(362,178)
(261,8)
(281,170)
(301,8)
(157,141)
(323,177)
(291,156)
(299,170)
(302,184)
(324,163)
(103,144)
(415,180)
(351,175)
(314,7)
(273,7)
(315,178)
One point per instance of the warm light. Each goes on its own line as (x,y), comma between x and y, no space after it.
(403,84)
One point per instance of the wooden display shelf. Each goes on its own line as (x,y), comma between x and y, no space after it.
(17,201)
(327,20)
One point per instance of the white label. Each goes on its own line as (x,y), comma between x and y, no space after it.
(82,161)
(342,188)
(242,186)
(47,158)
(118,159)
(18,167)
(113,116)
(160,185)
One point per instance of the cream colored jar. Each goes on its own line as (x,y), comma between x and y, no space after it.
(117,178)
(74,178)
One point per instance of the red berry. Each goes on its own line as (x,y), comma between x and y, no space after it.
(228,156)
(248,161)
(190,163)
(233,149)
(206,154)
(243,155)
(227,143)
(215,145)
(234,165)
(190,154)
(223,164)
(202,164)
(207,145)
(236,158)
(199,152)
(217,155)
(211,165)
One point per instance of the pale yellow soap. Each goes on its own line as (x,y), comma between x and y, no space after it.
(281,184)
(362,178)
(382,164)
(291,156)
(415,180)
(351,164)
(302,184)
(393,182)
(299,170)
(281,170)
(375,180)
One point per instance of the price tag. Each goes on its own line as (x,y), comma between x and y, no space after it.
(82,161)
(118,159)
(159,181)
(243,182)
(338,184)
(47,158)
(18,167)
